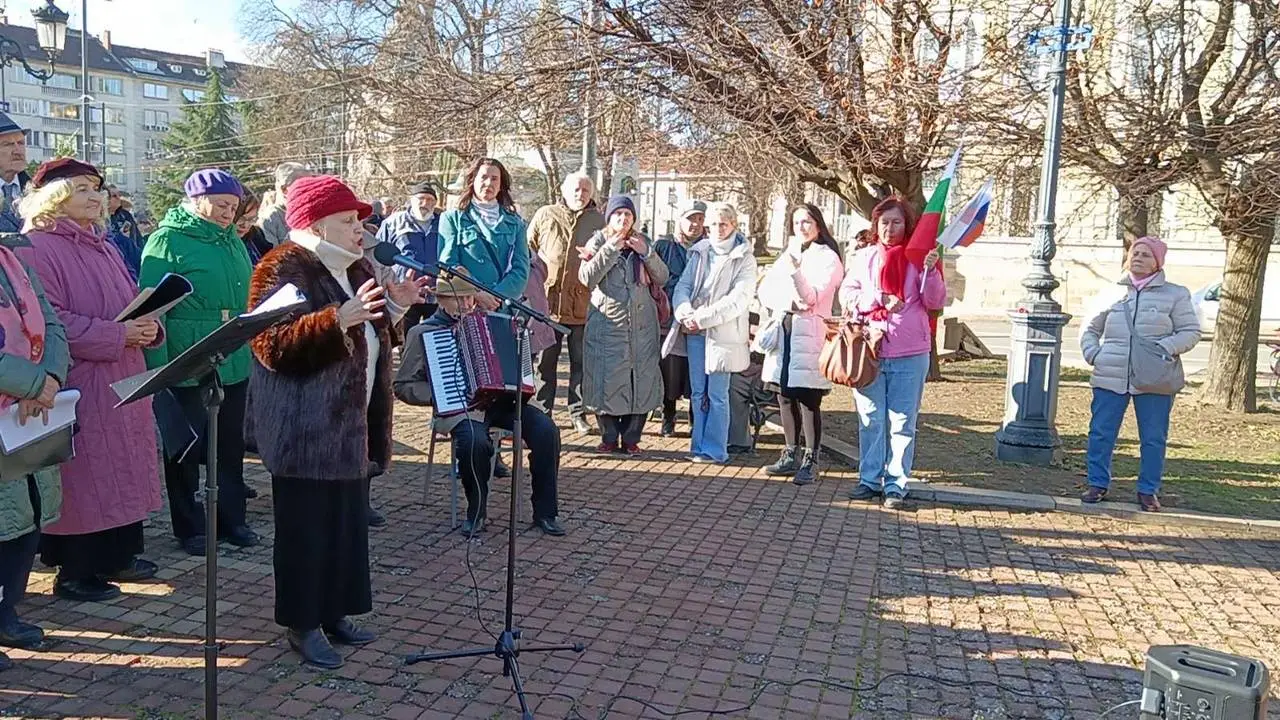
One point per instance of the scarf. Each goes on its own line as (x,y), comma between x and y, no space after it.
(723,245)
(1141,282)
(21,318)
(336,259)
(893,267)
(490,213)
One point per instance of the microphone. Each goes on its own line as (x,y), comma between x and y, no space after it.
(388,254)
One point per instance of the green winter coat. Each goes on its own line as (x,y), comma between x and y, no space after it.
(217,264)
(22,378)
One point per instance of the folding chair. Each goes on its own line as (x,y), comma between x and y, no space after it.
(496,436)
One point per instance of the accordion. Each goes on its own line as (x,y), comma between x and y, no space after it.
(475,363)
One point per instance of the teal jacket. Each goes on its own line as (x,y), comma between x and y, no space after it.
(497,257)
(217,264)
(22,378)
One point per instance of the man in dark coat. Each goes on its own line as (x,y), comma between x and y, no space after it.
(416,232)
(122,230)
(471,445)
(13,175)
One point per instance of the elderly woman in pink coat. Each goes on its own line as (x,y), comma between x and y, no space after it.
(113,482)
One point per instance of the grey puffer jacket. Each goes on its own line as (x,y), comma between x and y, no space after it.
(1162,311)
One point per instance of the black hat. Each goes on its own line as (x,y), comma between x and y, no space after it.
(7,125)
(423,188)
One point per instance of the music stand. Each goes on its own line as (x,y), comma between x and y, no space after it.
(507,648)
(200,362)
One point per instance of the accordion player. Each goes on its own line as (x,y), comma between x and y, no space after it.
(464,365)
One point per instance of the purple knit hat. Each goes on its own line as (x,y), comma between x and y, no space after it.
(212,181)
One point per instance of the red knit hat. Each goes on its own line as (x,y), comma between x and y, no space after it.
(314,198)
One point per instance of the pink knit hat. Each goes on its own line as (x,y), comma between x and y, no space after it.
(1157,247)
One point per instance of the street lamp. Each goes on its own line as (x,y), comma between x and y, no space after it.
(51,33)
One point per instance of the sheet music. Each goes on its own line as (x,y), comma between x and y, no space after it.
(14,437)
(171,290)
(287,295)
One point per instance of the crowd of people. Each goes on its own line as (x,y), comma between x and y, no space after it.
(690,317)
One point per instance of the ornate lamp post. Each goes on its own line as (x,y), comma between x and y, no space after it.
(51,33)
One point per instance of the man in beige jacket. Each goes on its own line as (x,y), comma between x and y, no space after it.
(555,234)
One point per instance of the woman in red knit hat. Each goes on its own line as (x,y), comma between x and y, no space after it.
(320,396)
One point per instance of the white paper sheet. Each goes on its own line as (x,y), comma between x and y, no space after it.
(14,436)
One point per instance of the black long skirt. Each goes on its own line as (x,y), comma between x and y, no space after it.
(80,557)
(321,550)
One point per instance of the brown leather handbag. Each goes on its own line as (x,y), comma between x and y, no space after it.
(851,355)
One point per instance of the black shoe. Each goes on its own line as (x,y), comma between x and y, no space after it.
(91,590)
(376,469)
(786,465)
(668,427)
(376,518)
(5,662)
(582,427)
(137,571)
(24,636)
(314,648)
(348,633)
(250,493)
(549,526)
(241,536)
(194,545)
(863,493)
(808,471)
(741,450)
(471,527)
(894,501)
(500,470)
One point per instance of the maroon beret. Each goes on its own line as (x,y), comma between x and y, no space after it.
(61,169)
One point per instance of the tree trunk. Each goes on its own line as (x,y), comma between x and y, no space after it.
(1230,382)
(1138,217)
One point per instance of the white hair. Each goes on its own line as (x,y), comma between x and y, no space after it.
(287,173)
(724,210)
(573,178)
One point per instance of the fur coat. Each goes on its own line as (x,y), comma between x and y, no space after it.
(306,412)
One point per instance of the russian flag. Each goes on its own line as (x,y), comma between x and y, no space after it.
(968,224)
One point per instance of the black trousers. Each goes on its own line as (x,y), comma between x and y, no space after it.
(628,427)
(742,386)
(16,558)
(321,553)
(675,383)
(548,362)
(183,479)
(474,452)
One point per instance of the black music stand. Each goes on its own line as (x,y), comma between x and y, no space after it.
(507,647)
(200,362)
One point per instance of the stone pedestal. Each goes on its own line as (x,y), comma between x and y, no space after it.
(1029,432)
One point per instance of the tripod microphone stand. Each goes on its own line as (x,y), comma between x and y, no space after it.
(507,648)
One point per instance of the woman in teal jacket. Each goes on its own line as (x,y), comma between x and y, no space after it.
(33,366)
(198,241)
(485,236)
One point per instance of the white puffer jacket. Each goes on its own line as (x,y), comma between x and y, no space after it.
(723,308)
(806,287)
(1162,311)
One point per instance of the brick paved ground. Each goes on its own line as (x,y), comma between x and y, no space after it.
(692,586)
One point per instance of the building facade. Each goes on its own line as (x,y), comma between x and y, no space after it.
(134,93)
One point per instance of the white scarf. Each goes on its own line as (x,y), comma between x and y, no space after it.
(336,259)
(723,245)
(490,212)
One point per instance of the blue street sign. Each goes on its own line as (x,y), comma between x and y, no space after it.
(1046,41)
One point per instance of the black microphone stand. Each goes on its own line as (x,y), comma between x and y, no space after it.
(508,647)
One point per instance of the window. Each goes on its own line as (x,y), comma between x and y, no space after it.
(155,92)
(115,116)
(192,95)
(63,111)
(64,81)
(115,145)
(154,148)
(50,140)
(143,65)
(15,74)
(108,86)
(1020,200)
(28,106)
(155,120)
(113,175)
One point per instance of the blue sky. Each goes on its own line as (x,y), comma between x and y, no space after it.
(181,26)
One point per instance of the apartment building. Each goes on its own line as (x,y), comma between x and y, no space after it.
(135,94)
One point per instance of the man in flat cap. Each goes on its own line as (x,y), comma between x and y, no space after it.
(416,231)
(13,172)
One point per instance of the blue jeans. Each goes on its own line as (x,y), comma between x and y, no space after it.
(887,411)
(709,401)
(1153,435)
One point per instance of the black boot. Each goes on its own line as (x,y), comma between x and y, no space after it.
(668,424)
(808,471)
(786,464)
(314,648)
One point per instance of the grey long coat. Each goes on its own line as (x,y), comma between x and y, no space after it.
(1164,313)
(622,339)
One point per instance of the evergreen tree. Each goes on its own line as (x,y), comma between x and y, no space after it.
(205,136)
